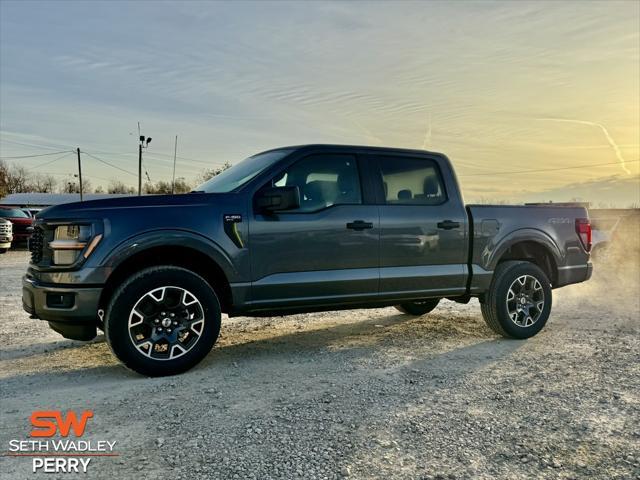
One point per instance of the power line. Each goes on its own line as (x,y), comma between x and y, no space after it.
(110,164)
(204,162)
(158,154)
(161,162)
(34,145)
(83,175)
(546,169)
(52,161)
(34,156)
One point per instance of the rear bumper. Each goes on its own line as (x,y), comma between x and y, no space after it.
(72,312)
(574,274)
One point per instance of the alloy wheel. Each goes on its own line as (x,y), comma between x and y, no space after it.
(525,301)
(166,322)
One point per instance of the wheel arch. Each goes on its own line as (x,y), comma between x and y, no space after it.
(539,250)
(167,249)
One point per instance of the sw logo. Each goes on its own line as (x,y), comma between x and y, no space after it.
(47,423)
(51,450)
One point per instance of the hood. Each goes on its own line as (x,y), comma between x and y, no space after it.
(99,208)
(18,220)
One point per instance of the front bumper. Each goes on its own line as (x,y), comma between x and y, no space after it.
(70,311)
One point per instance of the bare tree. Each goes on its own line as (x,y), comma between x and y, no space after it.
(72,186)
(209,173)
(162,187)
(117,186)
(4,179)
(18,180)
(43,183)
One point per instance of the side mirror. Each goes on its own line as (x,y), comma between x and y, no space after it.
(279,198)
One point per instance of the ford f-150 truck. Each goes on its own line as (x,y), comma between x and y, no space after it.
(290,230)
(6,235)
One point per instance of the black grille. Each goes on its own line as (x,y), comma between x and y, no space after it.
(36,245)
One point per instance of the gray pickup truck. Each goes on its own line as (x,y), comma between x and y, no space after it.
(290,230)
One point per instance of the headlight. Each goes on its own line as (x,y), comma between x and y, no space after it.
(78,233)
(69,241)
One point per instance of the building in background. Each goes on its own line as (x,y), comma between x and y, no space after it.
(38,201)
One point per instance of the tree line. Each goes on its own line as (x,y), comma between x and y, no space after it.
(18,179)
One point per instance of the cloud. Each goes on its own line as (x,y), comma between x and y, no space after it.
(615,190)
(427,136)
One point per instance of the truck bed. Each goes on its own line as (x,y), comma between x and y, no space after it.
(497,229)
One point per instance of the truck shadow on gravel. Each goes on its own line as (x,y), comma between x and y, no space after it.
(264,345)
(22,351)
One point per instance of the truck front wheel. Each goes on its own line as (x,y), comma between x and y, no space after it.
(421,307)
(162,321)
(518,302)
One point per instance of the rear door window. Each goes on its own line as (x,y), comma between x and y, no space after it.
(411,181)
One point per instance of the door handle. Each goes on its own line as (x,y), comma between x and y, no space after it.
(448,225)
(359,225)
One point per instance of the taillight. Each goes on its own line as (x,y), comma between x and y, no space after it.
(583,229)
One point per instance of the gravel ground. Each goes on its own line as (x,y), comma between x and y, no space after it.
(356,394)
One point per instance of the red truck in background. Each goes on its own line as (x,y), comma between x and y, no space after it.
(22,223)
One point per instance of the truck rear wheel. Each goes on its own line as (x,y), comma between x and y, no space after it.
(519,300)
(162,321)
(418,308)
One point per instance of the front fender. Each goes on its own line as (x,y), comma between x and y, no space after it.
(167,238)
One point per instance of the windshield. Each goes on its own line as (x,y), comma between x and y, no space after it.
(12,213)
(242,172)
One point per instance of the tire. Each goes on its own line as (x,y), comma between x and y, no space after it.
(3,250)
(418,308)
(175,330)
(531,315)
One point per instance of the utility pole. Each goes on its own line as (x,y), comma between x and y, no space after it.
(140,166)
(79,172)
(173,180)
(144,143)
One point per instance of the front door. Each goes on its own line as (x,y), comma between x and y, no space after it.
(423,249)
(325,252)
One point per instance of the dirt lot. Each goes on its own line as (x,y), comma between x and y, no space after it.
(357,394)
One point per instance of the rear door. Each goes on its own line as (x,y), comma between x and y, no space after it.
(325,252)
(423,246)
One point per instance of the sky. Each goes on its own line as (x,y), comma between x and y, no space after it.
(531,101)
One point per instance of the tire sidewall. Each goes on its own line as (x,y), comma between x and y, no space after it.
(502,289)
(419,308)
(117,320)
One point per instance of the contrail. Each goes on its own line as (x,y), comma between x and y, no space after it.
(366,131)
(611,141)
(427,135)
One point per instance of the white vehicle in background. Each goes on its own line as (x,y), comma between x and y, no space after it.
(6,235)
